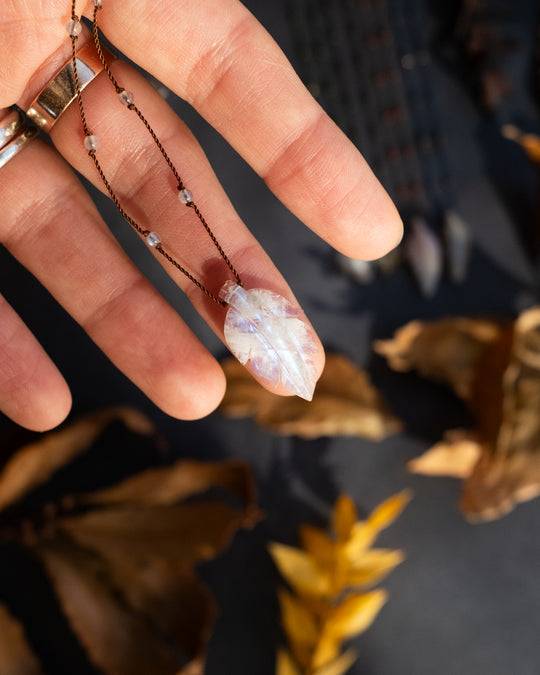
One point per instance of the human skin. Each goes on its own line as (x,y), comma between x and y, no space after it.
(215,55)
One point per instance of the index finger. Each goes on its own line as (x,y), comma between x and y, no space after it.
(218,57)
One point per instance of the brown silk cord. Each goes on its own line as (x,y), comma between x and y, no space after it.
(180,184)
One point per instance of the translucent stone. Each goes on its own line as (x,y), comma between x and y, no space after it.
(360,270)
(97,3)
(153,239)
(424,253)
(185,196)
(458,245)
(74,27)
(265,329)
(126,97)
(91,142)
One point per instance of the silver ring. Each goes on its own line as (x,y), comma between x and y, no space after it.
(16,145)
(9,127)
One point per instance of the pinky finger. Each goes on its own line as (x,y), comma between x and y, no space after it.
(33,393)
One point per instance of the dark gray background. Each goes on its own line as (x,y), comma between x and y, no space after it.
(467,599)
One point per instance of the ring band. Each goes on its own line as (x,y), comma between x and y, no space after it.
(9,127)
(16,145)
(54,99)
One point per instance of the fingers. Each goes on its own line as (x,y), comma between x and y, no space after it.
(147,189)
(219,58)
(33,393)
(50,224)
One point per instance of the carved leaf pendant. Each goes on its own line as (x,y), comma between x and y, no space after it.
(265,329)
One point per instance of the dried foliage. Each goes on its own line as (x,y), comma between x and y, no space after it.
(345,403)
(495,368)
(16,656)
(447,350)
(122,559)
(329,577)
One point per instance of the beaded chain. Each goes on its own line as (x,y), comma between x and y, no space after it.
(91,143)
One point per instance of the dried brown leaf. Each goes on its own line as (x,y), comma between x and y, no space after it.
(509,469)
(166,485)
(499,377)
(447,350)
(168,593)
(35,463)
(345,403)
(188,533)
(117,639)
(16,656)
(455,456)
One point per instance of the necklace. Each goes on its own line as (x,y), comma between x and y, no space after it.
(261,327)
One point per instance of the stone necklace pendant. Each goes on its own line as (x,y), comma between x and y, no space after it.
(265,329)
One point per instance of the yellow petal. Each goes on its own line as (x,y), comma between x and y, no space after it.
(372,565)
(343,517)
(339,666)
(299,569)
(388,511)
(364,533)
(300,627)
(355,614)
(327,650)
(318,545)
(285,664)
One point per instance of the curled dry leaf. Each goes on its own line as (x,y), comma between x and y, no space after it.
(499,460)
(122,560)
(35,463)
(447,350)
(345,403)
(508,471)
(186,478)
(456,456)
(16,655)
(116,639)
(188,533)
(329,578)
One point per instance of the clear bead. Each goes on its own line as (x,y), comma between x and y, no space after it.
(153,239)
(74,28)
(185,196)
(97,3)
(91,142)
(126,97)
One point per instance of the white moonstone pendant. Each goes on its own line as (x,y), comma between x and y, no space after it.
(265,329)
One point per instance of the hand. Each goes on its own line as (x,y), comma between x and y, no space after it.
(218,57)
